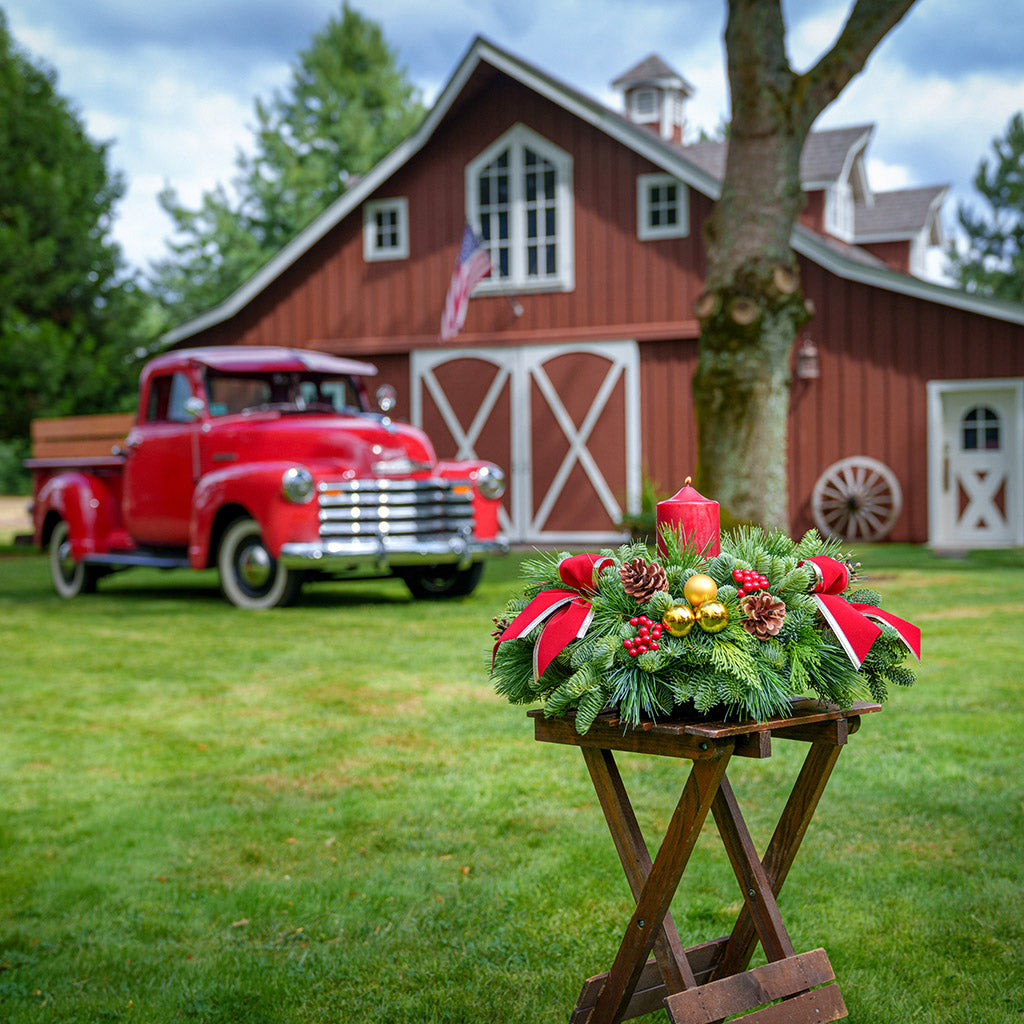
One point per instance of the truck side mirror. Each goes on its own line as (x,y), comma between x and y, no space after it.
(194,407)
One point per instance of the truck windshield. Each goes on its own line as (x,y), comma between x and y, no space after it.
(230,394)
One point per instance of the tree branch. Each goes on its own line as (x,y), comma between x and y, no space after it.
(865,28)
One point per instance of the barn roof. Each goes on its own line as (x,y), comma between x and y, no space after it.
(827,154)
(699,166)
(824,159)
(900,213)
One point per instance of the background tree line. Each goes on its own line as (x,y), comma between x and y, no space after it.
(76,320)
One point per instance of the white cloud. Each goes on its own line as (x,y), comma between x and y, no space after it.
(811,35)
(886,177)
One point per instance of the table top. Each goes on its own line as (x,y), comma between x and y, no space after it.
(700,736)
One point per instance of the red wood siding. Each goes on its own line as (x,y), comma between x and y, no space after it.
(813,213)
(668,427)
(624,288)
(878,349)
(894,254)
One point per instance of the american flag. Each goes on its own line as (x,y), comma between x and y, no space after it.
(472,266)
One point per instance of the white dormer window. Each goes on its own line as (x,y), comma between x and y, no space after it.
(662,207)
(919,250)
(386,229)
(839,211)
(519,200)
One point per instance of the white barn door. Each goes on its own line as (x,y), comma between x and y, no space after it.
(563,421)
(976,463)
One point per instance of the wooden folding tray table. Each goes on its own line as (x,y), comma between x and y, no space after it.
(707,983)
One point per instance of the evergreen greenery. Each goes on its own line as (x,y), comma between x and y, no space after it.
(71,316)
(731,672)
(991,260)
(348,104)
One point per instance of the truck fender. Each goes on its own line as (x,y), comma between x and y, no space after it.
(253,490)
(485,509)
(87,505)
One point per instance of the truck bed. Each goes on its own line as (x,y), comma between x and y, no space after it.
(71,442)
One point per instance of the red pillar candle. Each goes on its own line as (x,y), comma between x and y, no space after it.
(694,517)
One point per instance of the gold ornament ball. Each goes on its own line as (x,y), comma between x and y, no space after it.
(678,619)
(700,589)
(712,617)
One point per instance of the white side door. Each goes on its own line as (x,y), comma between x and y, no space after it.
(976,463)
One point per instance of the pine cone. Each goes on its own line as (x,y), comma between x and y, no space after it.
(642,580)
(764,614)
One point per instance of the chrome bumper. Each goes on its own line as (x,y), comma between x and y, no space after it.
(382,554)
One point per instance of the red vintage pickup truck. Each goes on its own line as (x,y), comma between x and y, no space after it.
(268,464)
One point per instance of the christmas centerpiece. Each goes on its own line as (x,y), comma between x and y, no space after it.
(739,624)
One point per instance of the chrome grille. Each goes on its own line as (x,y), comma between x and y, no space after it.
(411,509)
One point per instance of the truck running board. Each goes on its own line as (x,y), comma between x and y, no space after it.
(138,559)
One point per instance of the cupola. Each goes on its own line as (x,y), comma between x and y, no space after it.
(654,95)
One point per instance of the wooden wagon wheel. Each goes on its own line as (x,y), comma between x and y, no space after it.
(857,499)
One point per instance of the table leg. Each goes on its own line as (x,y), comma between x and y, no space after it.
(758,897)
(659,888)
(636,862)
(782,850)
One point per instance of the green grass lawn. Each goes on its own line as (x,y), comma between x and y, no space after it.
(324,814)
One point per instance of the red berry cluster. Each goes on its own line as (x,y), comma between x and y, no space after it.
(747,581)
(646,638)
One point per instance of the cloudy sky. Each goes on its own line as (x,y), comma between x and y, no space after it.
(172,82)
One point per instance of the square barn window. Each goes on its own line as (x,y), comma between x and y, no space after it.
(663,207)
(386,229)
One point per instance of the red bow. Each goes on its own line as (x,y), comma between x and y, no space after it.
(850,621)
(568,614)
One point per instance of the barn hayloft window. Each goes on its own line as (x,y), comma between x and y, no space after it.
(519,200)
(386,229)
(662,207)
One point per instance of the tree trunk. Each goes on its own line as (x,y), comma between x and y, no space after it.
(753,306)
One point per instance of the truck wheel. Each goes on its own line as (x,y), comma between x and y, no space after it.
(434,581)
(250,576)
(70,578)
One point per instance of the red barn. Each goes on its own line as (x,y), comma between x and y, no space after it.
(574,366)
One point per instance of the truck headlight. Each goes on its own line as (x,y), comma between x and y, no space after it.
(297,484)
(490,481)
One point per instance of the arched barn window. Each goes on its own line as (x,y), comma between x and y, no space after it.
(519,201)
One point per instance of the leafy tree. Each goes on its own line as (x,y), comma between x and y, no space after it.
(753,304)
(70,318)
(992,260)
(348,104)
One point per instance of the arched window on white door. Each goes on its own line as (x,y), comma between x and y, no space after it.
(979,430)
(519,201)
